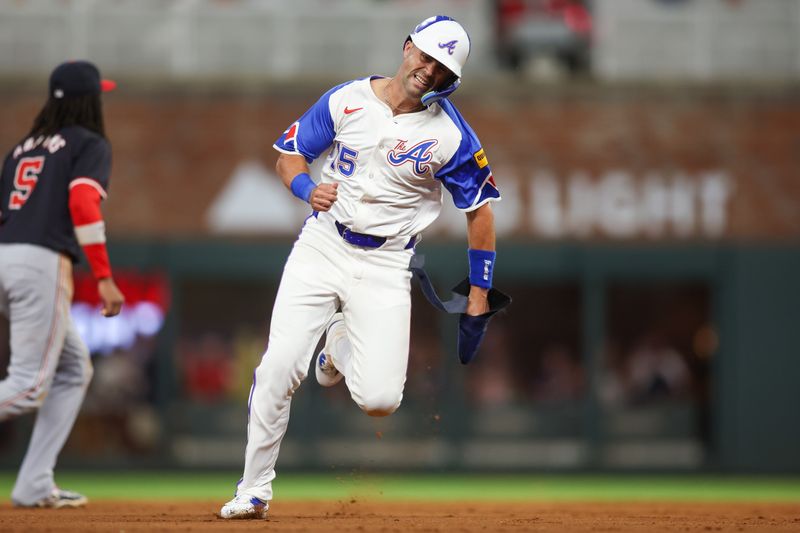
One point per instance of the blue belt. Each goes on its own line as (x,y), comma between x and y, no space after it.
(364,239)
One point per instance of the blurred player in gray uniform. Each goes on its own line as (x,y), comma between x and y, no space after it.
(51,187)
(391,146)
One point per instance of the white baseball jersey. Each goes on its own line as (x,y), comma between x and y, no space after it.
(390,169)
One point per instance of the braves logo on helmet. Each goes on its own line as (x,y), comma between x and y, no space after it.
(419,154)
(451,46)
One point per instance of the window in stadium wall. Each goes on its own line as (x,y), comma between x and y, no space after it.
(221,337)
(655,378)
(531,354)
(526,391)
(221,334)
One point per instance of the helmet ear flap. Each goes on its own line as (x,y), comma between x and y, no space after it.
(451,80)
(434,96)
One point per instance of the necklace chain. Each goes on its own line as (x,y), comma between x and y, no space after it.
(386,96)
(395,109)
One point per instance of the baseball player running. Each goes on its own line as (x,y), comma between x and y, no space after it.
(390,145)
(51,186)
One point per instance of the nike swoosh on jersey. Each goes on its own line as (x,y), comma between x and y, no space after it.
(348,111)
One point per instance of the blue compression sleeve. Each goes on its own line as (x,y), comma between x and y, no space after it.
(302,185)
(481,267)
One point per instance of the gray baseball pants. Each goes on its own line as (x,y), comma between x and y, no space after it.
(50,368)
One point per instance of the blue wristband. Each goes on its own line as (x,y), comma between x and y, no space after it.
(302,185)
(481,267)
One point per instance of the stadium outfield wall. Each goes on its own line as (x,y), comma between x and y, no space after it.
(628,216)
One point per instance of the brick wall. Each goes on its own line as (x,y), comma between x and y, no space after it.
(173,154)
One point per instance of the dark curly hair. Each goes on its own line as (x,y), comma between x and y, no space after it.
(58,113)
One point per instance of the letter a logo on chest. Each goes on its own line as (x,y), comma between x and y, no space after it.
(418,155)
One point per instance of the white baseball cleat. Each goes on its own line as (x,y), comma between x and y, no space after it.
(244,507)
(325,369)
(59,499)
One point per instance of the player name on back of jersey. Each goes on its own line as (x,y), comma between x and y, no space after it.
(51,143)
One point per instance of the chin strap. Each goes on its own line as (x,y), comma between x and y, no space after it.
(434,96)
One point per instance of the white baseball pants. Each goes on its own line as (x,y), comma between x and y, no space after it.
(323,272)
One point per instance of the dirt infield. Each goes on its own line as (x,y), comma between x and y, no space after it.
(362,517)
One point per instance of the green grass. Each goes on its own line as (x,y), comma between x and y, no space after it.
(333,486)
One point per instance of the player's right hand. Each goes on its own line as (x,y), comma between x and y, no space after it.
(323,196)
(111,297)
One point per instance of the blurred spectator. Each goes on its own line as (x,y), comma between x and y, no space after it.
(560,378)
(651,371)
(425,376)
(120,381)
(544,39)
(613,381)
(531,353)
(427,363)
(119,416)
(657,371)
(658,330)
(491,381)
(206,366)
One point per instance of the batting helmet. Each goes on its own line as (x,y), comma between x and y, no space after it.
(447,42)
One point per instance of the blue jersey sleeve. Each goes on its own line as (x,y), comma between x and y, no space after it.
(93,161)
(313,133)
(467,176)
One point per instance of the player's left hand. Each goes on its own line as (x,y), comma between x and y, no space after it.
(323,196)
(111,297)
(478,301)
